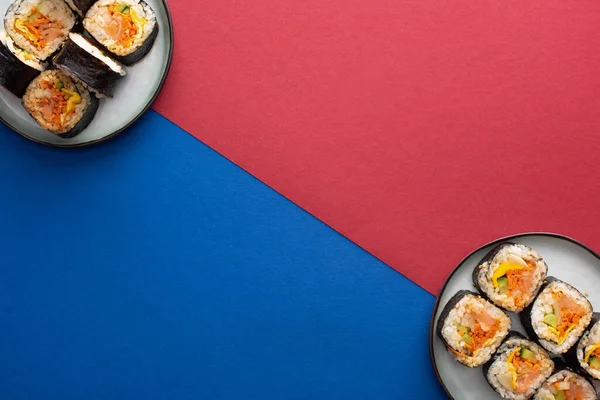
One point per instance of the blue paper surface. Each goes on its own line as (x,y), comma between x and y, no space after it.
(150,267)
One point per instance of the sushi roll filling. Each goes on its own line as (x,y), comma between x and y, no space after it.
(124,26)
(121,26)
(479,327)
(516,278)
(566,385)
(58,105)
(593,357)
(563,318)
(561,314)
(38,29)
(512,277)
(55,101)
(518,369)
(39,26)
(588,351)
(473,330)
(523,368)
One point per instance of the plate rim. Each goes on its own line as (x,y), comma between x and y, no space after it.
(157,92)
(460,264)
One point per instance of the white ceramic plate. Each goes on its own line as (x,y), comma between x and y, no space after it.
(567,260)
(134,95)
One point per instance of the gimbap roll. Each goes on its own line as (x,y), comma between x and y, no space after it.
(80,6)
(127,29)
(566,385)
(59,104)
(472,328)
(558,316)
(586,355)
(17,67)
(510,276)
(519,368)
(39,26)
(89,65)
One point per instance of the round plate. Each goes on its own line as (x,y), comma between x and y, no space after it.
(567,260)
(134,95)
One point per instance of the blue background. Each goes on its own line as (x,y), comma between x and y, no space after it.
(150,267)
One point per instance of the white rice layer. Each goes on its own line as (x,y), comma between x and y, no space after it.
(94,51)
(515,254)
(25,57)
(501,367)
(544,304)
(589,340)
(566,381)
(96,25)
(57,11)
(463,314)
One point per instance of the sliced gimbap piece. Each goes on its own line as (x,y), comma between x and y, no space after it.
(585,357)
(39,26)
(566,385)
(127,29)
(472,328)
(59,104)
(80,6)
(558,316)
(17,67)
(519,368)
(511,275)
(89,65)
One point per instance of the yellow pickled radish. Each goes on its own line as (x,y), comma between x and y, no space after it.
(503,269)
(512,355)
(511,367)
(562,338)
(589,353)
(20,26)
(74,99)
(137,19)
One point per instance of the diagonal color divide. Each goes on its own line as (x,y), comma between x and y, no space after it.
(417,128)
(152,268)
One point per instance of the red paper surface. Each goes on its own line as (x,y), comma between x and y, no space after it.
(419,129)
